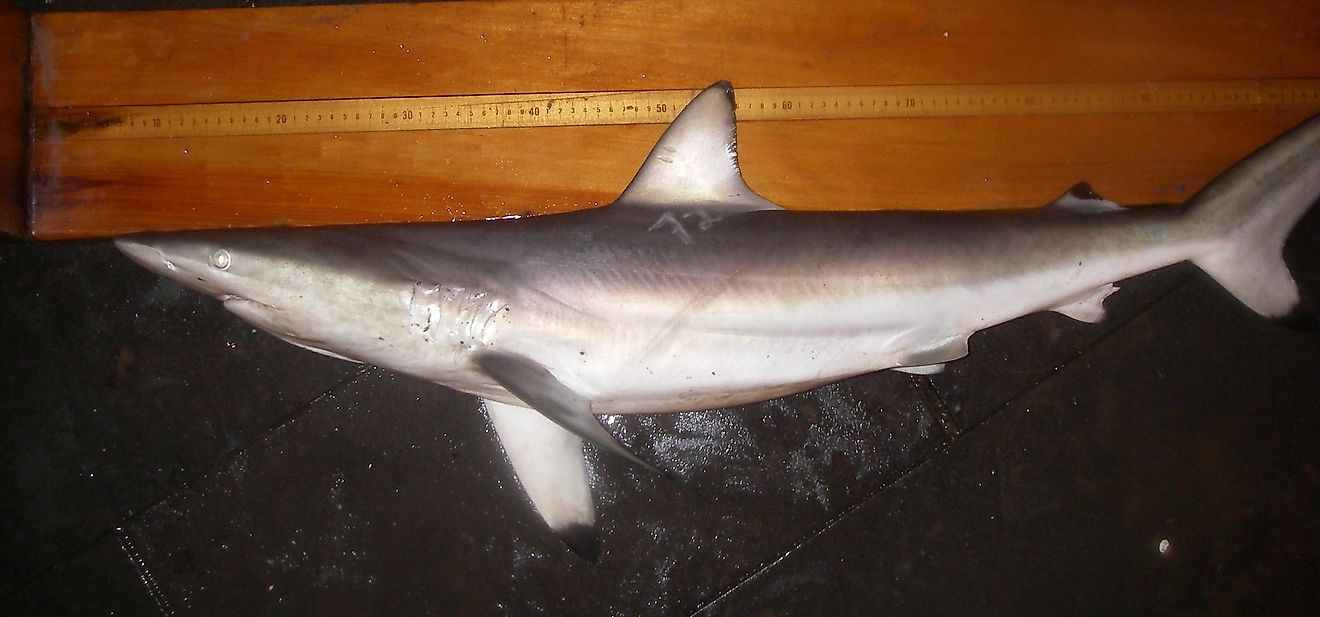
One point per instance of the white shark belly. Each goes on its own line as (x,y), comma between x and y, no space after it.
(672,365)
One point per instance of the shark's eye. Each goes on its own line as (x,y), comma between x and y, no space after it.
(220,259)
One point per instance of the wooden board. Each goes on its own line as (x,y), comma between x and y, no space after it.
(13,118)
(106,187)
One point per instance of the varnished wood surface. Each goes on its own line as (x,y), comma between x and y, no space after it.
(13,118)
(100,188)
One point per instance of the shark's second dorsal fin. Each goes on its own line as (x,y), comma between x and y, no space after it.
(696,160)
(1082,199)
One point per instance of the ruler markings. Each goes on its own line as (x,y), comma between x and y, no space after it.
(662,106)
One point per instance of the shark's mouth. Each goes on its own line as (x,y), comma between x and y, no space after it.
(270,318)
(232,300)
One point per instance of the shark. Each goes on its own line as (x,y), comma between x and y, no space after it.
(693,292)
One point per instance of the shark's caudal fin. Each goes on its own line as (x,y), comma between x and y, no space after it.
(1247,212)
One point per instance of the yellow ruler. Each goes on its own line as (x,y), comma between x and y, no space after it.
(661,106)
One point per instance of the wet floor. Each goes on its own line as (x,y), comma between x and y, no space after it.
(159,456)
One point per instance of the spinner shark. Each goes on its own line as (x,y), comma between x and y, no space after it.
(692,292)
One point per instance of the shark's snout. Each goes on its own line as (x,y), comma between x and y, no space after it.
(181,260)
(146,254)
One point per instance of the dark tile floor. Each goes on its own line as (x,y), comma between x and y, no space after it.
(161,456)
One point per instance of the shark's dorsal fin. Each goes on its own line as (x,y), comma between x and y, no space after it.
(1082,199)
(696,161)
(548,462)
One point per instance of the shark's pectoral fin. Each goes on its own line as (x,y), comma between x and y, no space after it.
(535,385)
(548,462)
(695,163)
(1088,307)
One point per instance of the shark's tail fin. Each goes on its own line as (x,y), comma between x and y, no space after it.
(1246,213)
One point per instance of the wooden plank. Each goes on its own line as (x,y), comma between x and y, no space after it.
(105,187)
(13,119)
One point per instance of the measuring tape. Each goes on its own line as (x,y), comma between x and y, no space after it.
(662,106)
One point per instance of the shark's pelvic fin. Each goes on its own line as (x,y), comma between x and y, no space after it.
(548,462)
(931,360)
(927,369)
(1088,307)
(695,163)
(535,385)
(1082,199)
